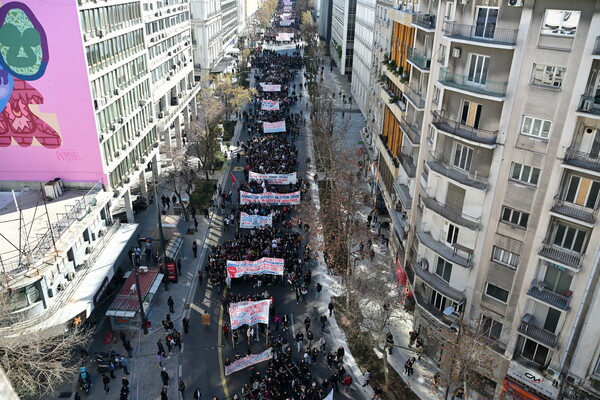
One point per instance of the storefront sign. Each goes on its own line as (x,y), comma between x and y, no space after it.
(532,379)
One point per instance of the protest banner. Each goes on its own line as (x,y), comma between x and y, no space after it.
(274,127)
(270,87)
(269,105)
(248,361)
(249,313)
(249,221)
(329,396)
(284,36)
(274,179)
(285,22)
(274,199)
(266,265)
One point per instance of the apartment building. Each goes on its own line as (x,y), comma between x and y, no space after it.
(491,181)
(325,19)
(168,29)
(363,55)
(104,84)
(341,45)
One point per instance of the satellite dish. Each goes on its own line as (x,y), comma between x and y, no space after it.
(448,311)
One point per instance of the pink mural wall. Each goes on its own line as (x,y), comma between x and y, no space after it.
(47,123)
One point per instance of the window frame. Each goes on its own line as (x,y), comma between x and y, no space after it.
(485,292)
(462,148)
(487,330)
(545,32)
(544,71)
(522,169)
(514,214)
(446,267)
(533,120)
(512,257)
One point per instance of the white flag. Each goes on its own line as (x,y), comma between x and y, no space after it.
(329,396)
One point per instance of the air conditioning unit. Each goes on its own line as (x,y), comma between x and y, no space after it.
(86,37)
(124,147)
(117,153)
(61,286)
(151,120)
(161,115)
(151,40)
(113,127)
(101,232)
(180,95)
(120,120)
(138,133)
(70,276)
(126,180)
(88,250)
(103,101)
(101,138)
(456,51)
(116,91)
(100,32)
(587,105)
(463,2)
(171,73)
(515,3)
(168,78)
(142,103)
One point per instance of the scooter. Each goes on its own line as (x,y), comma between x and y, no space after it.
(85,381)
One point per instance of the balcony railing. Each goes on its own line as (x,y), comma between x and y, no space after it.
(481,34)
(436,282)
(408,164)
(426,21)
(448,213)
(486,87)
(589,104)
(538,334)
(573,210)
(403,195)
(539,292)
(581,159)
(561,256)
(416,98)
(437,314)
(443,250)
(411,131)
(462,130)
(596,50)
(418,59)
(466,178)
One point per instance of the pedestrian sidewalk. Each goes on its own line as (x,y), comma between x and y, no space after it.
(421,382)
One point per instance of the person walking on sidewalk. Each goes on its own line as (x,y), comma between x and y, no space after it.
(330,307)
(106,382)
(249,333)
(161,348)
(347,383)
(299,340)
(323,319)
(318,290)
(196,224)
(340,354)
(164,376)
(195,249)
(307,323)
(367,376)
(197,394)
(186,325)
(171,304)
(182,389)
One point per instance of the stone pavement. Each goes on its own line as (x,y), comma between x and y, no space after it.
(421,381)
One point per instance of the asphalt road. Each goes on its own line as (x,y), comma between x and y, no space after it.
(205,349)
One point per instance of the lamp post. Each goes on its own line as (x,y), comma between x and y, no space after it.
(139,294)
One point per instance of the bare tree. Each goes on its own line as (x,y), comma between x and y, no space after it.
(179,177)
(36,362)
(204,133)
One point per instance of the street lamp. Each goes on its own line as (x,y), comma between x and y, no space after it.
(139,294)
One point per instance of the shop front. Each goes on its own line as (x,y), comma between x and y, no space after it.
(522,383)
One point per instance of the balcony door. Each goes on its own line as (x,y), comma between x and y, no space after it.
(590,142)
(478,69)
(569,238)
(582,191)
(485,23)
(471,114)
(557,281)
(462,157)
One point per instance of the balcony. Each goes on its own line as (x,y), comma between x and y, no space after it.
(417,99)
(403,193)
(479,34)
(561,256)
(464,131)
(433,280)
(437,314)
(458,175)
(489,88)
(408,164)
(443,250)
(573,210)
(411,131)
(454,216)
(538,334)
(589,105)
(424,21)
(583,160)
(419,60)
(538,291)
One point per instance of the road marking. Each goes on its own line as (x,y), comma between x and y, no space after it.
(180,369)
(220,349)
(235,169)
(182,345)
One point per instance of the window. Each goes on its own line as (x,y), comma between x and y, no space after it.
(449,11)
(535,352)
(525,173)
(441,302)
(536,127)
(444,269)
(548,76)
(582,191)
(496,292)
(442,54)
(462,156)
(569,237)
(505,257)
(485,24)
(452,235)
(514,217)
(559,22)
(436,95)
(478,69)
(490,328)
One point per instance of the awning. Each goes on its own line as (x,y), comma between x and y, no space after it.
(88,284)
(126,303)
